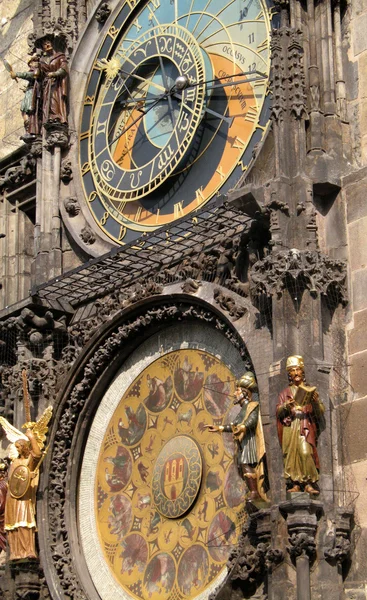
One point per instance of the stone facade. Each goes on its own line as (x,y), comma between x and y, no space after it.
(290,278)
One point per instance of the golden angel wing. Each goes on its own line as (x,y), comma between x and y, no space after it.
(40,428)
(12,433)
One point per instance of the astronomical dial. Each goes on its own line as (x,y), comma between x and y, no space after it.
(175,103)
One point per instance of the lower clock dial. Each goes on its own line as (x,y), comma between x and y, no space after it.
(168,497)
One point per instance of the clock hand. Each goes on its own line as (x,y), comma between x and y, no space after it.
(156,85)
(206,109)
(143,113)
(165,82)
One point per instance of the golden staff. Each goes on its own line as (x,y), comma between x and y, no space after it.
(26,398)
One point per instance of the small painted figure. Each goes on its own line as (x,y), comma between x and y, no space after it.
(20,507)
(3,492)
(300,418)
(20,517)
(54,74)
(248,434)
(30,105)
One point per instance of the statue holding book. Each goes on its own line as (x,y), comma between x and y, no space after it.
(300,418)
(26,453)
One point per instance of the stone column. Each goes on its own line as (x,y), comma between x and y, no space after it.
(302,515)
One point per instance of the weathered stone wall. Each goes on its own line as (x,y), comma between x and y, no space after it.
(15,25)
(354,414)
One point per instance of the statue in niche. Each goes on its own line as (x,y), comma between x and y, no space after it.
(248,435)
(26,453)
(30,105)
(300,418)
(54,77)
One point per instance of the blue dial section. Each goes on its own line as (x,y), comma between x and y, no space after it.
(176,101)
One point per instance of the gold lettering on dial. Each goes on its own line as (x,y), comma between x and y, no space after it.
(219,170)
(238,143)
(138,213)
(178,210)
(251,114)
(263,46)
(199,195)
(122,233)
(103,220)
(101,128)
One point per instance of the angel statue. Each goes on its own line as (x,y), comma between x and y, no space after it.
(26,453)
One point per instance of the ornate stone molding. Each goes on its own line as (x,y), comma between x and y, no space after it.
(72,206)
(253,557)
(302,543)
(302,517)
(103,13)
(297,96)
(87,235)
(228,303)
(309,269)
(66,172)
(287,79)
(57,134)
(340,549)
(16,176)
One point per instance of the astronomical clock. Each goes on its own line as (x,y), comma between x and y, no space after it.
(175,102)
(161,500)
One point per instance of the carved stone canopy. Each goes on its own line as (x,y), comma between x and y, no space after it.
(307,269)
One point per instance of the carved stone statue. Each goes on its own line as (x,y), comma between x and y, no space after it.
(3,491)
(300,418)
(30,105)
(54,74)
(20,506)
(247,432)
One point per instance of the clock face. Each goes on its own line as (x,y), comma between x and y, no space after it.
(176,102)
(165,501)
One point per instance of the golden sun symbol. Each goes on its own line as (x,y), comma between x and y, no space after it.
(111,67)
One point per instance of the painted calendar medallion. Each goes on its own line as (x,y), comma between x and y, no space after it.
(167,495)
(177,476)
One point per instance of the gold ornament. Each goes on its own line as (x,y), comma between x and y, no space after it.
(294,361)
(247,381)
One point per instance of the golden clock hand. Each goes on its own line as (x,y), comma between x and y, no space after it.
(143,113)
(165,82)
(156,85)
(228,120)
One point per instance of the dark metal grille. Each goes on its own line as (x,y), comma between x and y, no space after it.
(147,256)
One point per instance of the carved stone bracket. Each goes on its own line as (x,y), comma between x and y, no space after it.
(66,427)
(26,576)
(103,13)
(253,557)
(16,176)
(66,172)
(57,134)
(302,516)
(72,206)
(310,269)
(229,303)
(28,342)
(340,549)
(87,235)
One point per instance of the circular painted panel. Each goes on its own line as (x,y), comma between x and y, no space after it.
(177,476)
(166,511)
